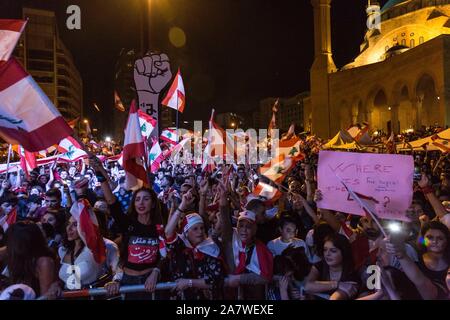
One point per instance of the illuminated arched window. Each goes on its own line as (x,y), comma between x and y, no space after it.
(403,42)
(412,43)
(421,40)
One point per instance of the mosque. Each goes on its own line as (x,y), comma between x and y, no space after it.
(401,78)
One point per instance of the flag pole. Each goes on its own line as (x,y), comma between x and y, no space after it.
(8,161)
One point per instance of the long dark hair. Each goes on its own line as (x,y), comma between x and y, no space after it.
(342,243)
(155,211)
(436,225)
(70,244)
(25,245)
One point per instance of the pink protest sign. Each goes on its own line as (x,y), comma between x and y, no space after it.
(383,181)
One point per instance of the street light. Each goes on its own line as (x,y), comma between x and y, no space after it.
(232,124)
(86,121)
(108,139)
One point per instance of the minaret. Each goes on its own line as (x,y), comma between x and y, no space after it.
(323,65)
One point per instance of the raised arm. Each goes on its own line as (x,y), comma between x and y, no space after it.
(51,177)
(424,285)
(171,227)
(327,215)
(204,187)
(427,190)
(103,178)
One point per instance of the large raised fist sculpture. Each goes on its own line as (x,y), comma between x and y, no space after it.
(151,74)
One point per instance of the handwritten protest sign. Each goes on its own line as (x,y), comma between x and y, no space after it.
(384,181)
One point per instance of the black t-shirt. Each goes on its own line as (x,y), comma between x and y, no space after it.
(140,243)
(325,275)
(437,277)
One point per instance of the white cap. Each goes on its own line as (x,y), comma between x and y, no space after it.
(247,215)
(28,292)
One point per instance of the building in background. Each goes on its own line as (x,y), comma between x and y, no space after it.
(46,58)
(230,120)
(399,81)
(290,111)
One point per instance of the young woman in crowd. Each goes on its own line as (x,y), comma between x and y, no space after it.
(78,266)
(29,260)
(142,234)
(334,277)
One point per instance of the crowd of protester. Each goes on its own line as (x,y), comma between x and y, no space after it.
(211,236)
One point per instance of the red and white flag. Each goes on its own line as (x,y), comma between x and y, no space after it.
(8,219)
(134,151)
(27,116)
(10,32)
(175,97)
(155,156)
(147,123)
(170,136)
(277,169)
(27,160)
(267,191)
(261,261)
(73,123)
(222,143)
(71,150)
(88,229)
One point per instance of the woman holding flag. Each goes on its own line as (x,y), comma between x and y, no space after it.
(142,245)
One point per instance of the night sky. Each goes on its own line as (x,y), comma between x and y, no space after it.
(237,52)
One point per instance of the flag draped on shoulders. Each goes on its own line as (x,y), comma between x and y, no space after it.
(261,260)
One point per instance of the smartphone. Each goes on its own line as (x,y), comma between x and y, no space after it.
(417,174)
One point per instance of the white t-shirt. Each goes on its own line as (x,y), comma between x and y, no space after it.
(277,246)
(86,269)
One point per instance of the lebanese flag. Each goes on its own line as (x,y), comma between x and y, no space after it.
(156,157)
(220,143)
(8,219)
(134,151)
(73,123)
(27,160)
(27,116)
(261,261)
(170,136)
(10,32)
(147,123)
(71,150)
(88,229)
(267,191)
(277,169)
(175,97)
(290,148)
